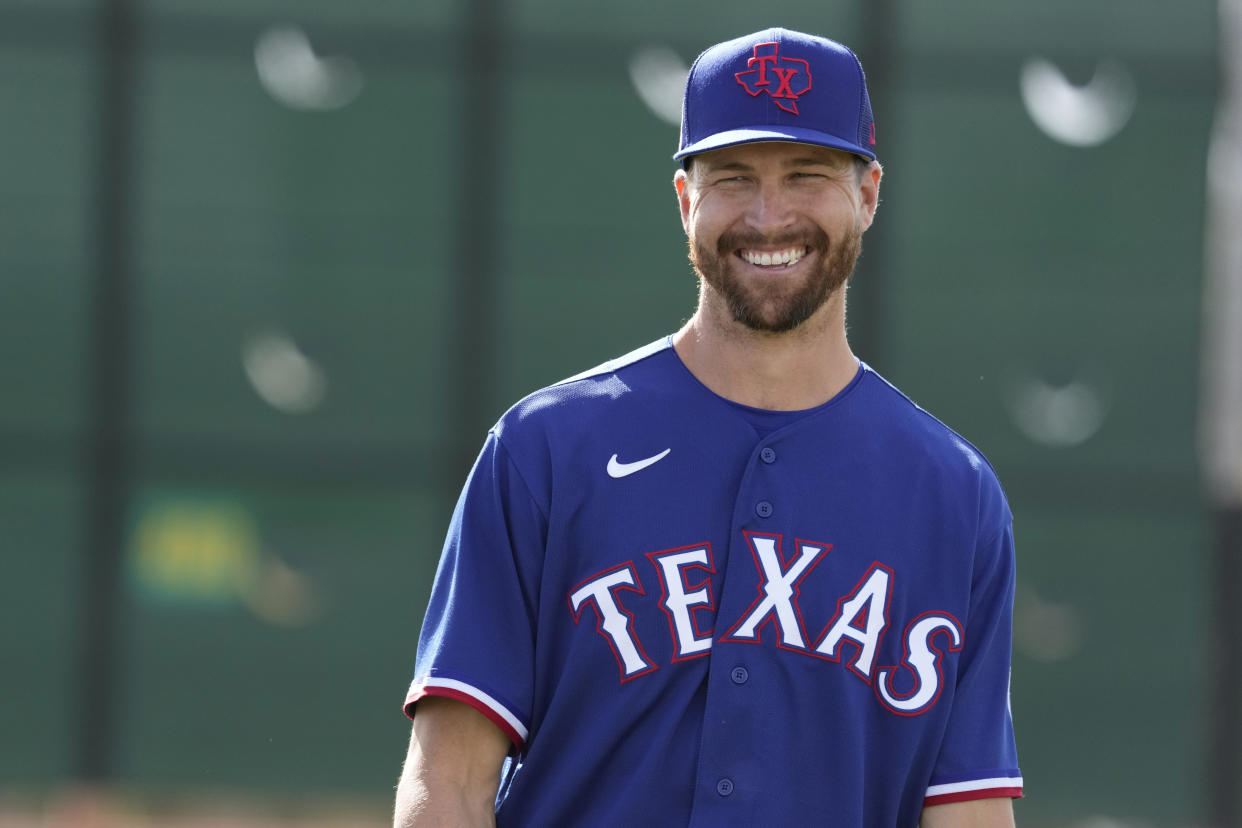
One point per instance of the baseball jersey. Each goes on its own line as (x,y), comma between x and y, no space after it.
(685,611)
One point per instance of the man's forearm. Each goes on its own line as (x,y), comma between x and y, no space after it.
(452,768)
(421,805)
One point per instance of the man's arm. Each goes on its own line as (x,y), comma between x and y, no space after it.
(452,768)
(978,813)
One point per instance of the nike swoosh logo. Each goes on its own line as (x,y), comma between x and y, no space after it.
(618,469)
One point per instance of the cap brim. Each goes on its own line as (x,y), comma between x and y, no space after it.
(754,135)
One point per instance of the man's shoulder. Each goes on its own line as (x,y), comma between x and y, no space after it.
(574,399)
(915,433)
(903,414)
(652,350)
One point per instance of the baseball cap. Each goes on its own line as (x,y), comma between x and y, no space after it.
(777,85)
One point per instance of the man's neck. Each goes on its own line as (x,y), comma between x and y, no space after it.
(781,372)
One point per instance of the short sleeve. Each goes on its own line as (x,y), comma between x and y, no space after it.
(978,757)
(477,640)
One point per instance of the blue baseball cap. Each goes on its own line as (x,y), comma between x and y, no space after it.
(777,85)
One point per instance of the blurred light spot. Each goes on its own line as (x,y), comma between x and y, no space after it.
(659,77)
(1057,416)
(295,76)
(283,596)
(282,375)
(205,553)
(1081,116)
(196,552)
(1046,631)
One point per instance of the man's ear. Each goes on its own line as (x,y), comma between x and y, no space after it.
(681,183)
(869,188)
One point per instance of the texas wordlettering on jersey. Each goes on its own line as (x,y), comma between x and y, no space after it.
(851,638)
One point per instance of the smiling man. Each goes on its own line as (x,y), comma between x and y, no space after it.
(733,577)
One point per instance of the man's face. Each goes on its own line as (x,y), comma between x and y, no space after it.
(775,228)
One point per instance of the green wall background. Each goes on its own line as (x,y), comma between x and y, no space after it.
(277,564)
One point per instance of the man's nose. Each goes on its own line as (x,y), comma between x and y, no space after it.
(772,209)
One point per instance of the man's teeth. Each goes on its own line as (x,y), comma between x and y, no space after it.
(780,257)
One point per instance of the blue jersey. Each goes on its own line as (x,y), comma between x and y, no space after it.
(685,611)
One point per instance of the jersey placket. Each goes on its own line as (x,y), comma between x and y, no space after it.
(733,761)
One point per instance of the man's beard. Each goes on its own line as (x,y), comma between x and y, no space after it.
(776,307)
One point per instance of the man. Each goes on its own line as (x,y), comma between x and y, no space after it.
(734,577)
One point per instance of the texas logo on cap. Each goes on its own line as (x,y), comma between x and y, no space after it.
(790,76)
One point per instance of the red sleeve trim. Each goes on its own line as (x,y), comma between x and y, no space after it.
(450,693)
(968,796)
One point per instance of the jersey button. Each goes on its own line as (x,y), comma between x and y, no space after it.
(768,455)
(724,787)
(763,509)
(740,675)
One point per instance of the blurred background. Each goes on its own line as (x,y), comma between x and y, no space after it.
(270,268)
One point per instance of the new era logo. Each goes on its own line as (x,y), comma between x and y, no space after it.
(784,78)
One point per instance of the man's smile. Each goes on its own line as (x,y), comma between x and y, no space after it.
(774,258)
